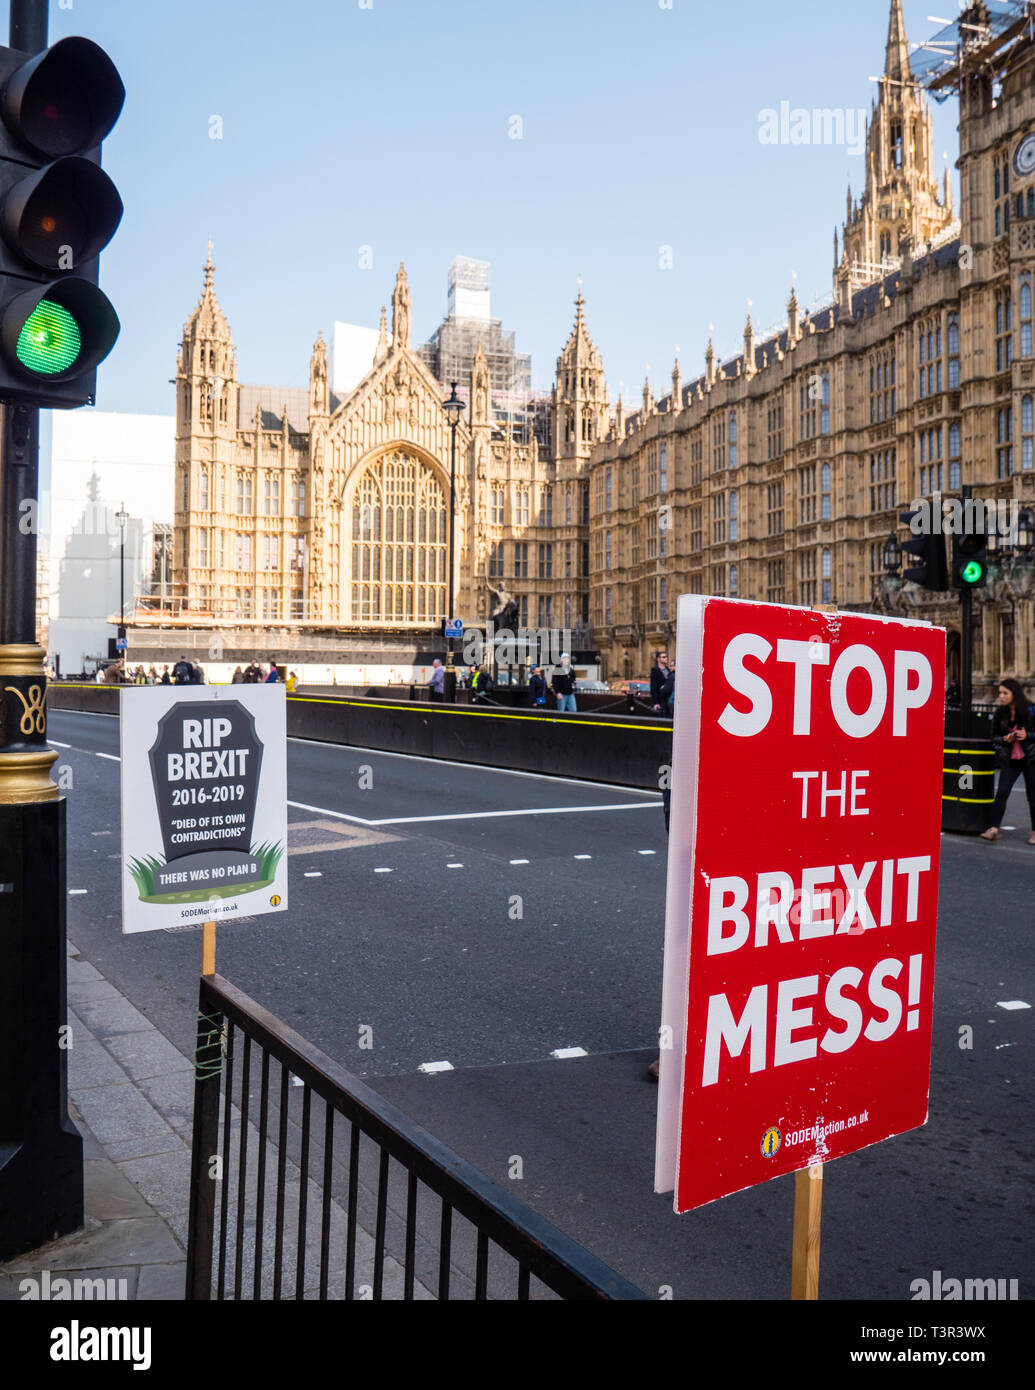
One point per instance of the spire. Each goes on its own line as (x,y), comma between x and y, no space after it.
(208,319)
(677,385)
(648,398)
(579,346)
(749,347)
(947,199)
(793,324)
(709,363)
(401,310)
(896,63)
(382,338)
(319,394)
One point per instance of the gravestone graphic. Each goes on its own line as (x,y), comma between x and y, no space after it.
(205,765)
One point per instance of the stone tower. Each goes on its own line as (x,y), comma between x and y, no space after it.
(900,202)
(206,429)
(580,404)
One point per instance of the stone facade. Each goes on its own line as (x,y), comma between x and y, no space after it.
(779,476)
(310,512)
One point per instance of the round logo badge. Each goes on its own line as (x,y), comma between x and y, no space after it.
(771,1141)
(275,902)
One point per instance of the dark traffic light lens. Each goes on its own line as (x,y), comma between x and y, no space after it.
(55,237)
(58,119)
(50,340)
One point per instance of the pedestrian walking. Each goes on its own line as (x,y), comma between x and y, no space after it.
(658,676)
(291,682)
(437,681)
(238,677)
(166,678)
(274,674)
(537,688)
(181,672)
(252,674)
(667,692)
(1013,737)
(481,685)
(563,684)
(152,676)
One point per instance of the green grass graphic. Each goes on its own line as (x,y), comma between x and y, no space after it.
(143,870)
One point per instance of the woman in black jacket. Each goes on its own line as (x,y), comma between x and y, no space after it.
(1013,737)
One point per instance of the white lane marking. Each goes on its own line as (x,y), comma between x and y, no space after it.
(582,856)
(519,861)
(1012,1004)
(312,873)
(100,832)
(1007,827)
(646,851)
(384,871)
(323,811)
(449,762)
(534,811)
(562,1052)
(54,743)
(435,1066)
(75,892)
(454,866)
(473,815)
(110,756)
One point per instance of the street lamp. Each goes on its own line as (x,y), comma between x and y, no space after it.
(123,517)
(454,409)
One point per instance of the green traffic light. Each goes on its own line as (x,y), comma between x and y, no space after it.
(971,572)
(49,341)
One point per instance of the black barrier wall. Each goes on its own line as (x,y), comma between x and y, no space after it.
(627,750)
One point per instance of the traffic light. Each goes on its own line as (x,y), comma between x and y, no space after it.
(970,561)
(58,210)
(929,546)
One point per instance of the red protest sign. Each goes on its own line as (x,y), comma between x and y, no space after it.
(803,889)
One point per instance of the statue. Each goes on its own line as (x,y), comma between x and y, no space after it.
(504,609)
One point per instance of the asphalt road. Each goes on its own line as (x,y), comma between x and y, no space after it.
(487,919)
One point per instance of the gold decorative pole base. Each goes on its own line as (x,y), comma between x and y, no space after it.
(25,759)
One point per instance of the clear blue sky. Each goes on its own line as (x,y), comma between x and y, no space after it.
(388,127)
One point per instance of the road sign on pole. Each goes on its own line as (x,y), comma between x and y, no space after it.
(204,804)
(802,891)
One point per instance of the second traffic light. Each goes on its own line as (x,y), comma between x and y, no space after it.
(970,561)
(58,210)
(929,546)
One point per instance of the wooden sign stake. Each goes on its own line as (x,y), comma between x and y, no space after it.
(208,948)
(808,1206)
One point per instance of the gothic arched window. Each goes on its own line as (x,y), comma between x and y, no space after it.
(397,499)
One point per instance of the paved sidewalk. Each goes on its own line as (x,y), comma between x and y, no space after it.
(131,1098)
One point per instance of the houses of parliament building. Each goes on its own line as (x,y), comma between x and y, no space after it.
(777,476)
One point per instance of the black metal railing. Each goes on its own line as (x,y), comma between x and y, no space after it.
(354,1201)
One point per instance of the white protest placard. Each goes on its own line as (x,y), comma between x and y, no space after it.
(204,804)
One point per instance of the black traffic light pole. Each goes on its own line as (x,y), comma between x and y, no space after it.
(966,640)
(41,1153)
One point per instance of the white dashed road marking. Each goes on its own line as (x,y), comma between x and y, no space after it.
(384,871)
(646,851)
(563,1052)
(1012,1004)
(519,861)
(312,873)
(435,1066)
(110,756)
(75,892)
(582,856)
(454,866)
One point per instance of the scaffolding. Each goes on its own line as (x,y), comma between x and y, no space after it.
(977,37)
